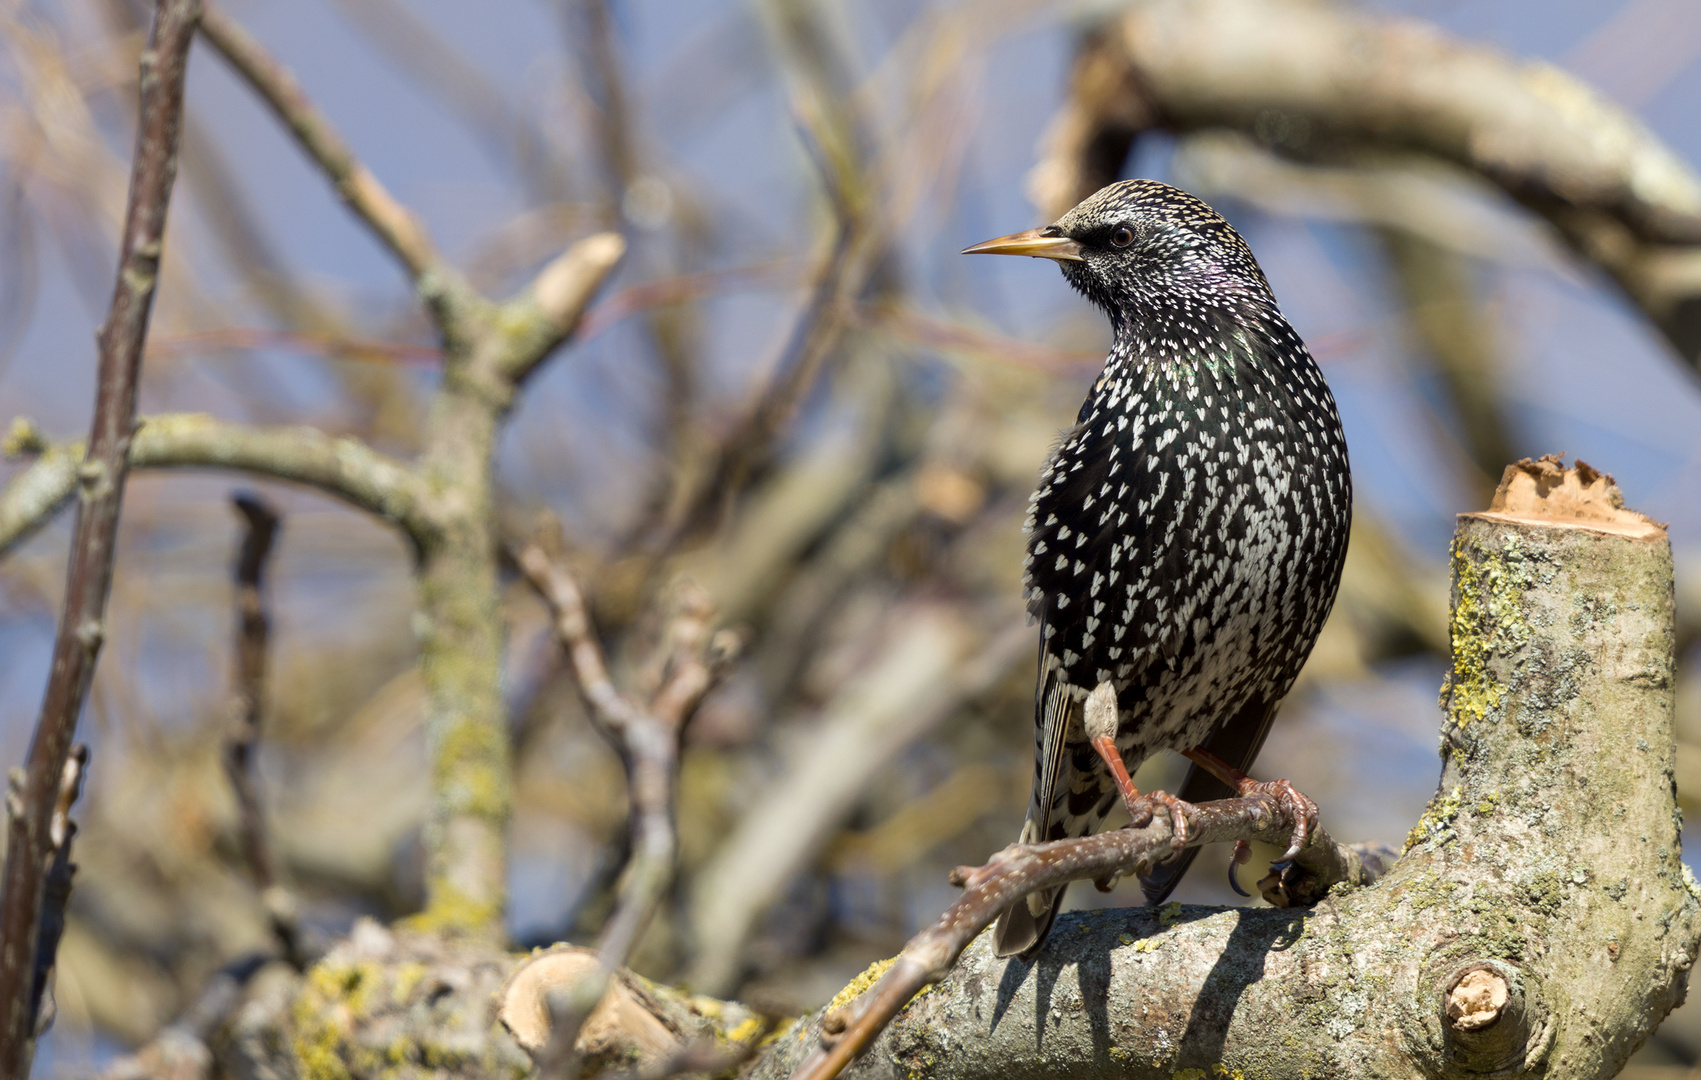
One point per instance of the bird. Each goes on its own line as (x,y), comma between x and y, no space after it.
(1186,538)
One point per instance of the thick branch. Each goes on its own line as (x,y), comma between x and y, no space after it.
(1021,869)
(30,846)
(1313,80)
(393,224)
(1541,888)
(341,466)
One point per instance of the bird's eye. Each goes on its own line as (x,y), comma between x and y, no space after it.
(1121,236)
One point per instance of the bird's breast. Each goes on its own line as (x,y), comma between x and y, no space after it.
(1188,530)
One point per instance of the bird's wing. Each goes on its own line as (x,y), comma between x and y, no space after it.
(1056,711)
(1103,536)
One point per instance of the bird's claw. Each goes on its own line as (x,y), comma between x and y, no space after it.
(1301,810)
(1242,855)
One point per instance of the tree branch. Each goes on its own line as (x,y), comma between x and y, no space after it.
(648,739)
(1314,81)
(1538,921)
(557,298)
(101,477)
(391,222)
(340,466)
(1021,869)
(253,635)
(934,660)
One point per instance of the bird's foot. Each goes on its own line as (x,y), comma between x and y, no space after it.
(1301,810)
(1177,809)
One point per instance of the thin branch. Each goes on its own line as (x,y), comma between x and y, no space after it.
(648,738)
(932,660)
(811,341)
(437,68)
(164,67)
(331,345)
(180,1050)
(343,467)
(1021,869)
(253,634)
(684,288)
(393,224)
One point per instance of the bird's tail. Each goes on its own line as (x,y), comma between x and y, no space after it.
(1023,926)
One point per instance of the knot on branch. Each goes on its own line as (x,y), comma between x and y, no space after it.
(1487,1023)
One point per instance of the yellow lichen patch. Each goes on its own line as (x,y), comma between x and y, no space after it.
(861,983)
(1169,914)
(1487,616)
(453,912)
(1437,819)
(334,996)
(749,1029)
(779,1031)
(406,980)
(1219,1070)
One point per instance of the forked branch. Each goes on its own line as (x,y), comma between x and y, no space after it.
(647,736)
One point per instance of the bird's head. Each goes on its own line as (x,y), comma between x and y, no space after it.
(1138,245)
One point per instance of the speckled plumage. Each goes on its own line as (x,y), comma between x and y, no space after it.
(1187,536)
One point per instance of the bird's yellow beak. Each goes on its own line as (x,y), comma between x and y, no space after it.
(1034,242)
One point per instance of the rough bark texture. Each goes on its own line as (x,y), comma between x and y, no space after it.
(1549,856)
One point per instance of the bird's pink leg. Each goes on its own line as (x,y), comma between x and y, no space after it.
(1140,806)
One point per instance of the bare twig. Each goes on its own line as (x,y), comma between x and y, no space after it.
(407,40)
(834,136)
(765,417)
(393,224)
(683,288)
(81,626)
(338,346)
(648,739)
(1021,869)
(253,631)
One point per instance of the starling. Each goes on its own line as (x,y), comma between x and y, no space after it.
(1187,536)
